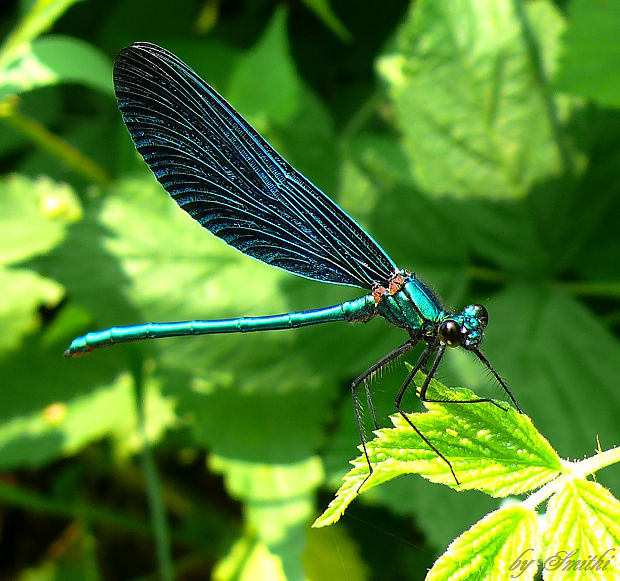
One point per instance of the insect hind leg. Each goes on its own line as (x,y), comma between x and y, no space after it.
(363,379)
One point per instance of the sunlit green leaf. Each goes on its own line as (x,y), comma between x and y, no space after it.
(469,100)
(39,17)
(501,546)
(248,560)
(491,449)
(268,482)
(34,217)
(54,60)
(63,427)
(583,533)
(278,503)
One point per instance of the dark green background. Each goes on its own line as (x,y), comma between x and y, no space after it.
(478,142)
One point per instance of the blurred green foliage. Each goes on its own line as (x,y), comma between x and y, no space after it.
(477,141)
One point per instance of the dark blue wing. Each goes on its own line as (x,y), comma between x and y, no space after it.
(227,177)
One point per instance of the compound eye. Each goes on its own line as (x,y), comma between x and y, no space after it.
(450,334)
(482,315)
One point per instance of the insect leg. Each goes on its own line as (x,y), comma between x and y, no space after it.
(424,388)
(422,361)
(498,377)
(392,356)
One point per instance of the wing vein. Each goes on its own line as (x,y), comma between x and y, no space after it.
(229,179)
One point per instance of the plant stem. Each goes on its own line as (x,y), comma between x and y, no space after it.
(573,470)
(153,487)
(50,143)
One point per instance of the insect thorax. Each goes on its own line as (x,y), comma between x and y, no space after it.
(407,302)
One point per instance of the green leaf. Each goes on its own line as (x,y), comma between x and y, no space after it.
(382,158)
(264,483)
(278,501)
(39,18)
(583,521)
(23,293)
(332,554)
(248,560)
(54,60)
(500,546)
(291,117)
(50,425)
(153,262)
(266,67)
(34,215)
(558,357)
(591,56)
(470,98)
(548,27)
(324,12)
(490,449)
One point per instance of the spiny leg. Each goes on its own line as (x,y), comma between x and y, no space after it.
(392,356)
(497,377)
(429,376)
(419,364)
(427,382)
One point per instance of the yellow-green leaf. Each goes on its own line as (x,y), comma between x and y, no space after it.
(500,546)
(583,533)
(492,449)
